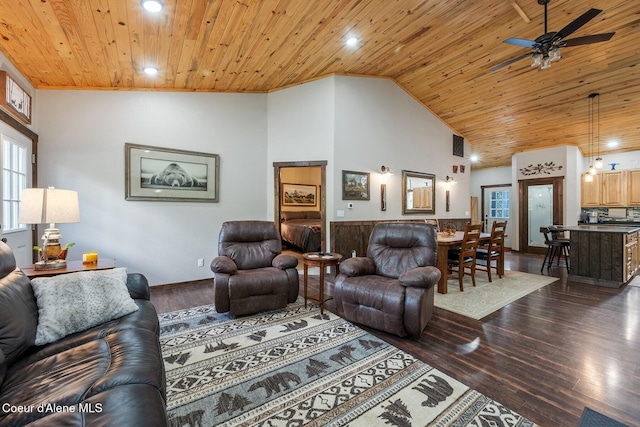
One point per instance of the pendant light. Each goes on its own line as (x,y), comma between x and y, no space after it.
(598,163)
(592,170)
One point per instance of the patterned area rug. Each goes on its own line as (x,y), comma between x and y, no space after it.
(297,367)
(485,298)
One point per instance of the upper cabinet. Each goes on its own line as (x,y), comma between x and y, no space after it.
(592,191)
(608,189)
(633,187)
(614,188)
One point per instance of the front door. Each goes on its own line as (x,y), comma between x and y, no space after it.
(497,207)
(15,156)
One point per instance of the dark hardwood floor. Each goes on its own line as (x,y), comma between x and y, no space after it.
(547,355)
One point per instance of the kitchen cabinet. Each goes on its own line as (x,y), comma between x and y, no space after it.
(591,191)
(607,189)
(614,189)
(630,255)
(633,187)
(605,255)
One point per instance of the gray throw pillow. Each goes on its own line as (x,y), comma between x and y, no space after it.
(74,302)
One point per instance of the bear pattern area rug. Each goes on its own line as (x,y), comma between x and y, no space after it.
(298,367)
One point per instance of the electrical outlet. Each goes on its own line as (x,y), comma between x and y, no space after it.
(200,262)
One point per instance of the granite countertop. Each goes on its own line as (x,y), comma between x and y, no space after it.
(600,228)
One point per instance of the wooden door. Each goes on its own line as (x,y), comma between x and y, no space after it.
(531,240)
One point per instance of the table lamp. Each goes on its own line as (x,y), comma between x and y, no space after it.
(48,206)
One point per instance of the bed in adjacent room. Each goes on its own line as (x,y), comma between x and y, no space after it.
(302,229)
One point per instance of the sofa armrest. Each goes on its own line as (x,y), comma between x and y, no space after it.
(420,277)
(358,266)
(284,261)
(224,265)
(138,286)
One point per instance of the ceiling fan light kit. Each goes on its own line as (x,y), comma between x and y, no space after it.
(546,48)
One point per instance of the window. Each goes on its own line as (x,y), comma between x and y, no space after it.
(499,204)
(14,180)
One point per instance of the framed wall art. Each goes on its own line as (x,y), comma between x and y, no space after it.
(15,99)
(355,185)
(164,174)
(299,195)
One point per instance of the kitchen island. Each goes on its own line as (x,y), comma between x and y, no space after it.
(605,255)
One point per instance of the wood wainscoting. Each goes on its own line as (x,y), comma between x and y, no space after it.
(347,236)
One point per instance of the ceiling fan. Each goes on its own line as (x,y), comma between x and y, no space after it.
(546,48)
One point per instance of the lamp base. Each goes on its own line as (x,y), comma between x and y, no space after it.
(54,264)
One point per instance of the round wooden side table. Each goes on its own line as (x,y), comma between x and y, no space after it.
(321,260)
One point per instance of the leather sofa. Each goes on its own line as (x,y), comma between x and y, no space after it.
(111,374)
(250,272)
(392,288)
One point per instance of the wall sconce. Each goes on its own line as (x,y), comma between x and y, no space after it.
(386,170)
(449,180)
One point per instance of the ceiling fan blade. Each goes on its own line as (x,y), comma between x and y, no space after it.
(577,23)
(596,38)
(520,42)
(511,61)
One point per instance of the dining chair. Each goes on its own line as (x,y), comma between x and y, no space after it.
(556,246)
(434,222)
(465,256)
(492,251)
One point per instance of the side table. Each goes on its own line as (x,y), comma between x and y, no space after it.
(322,260)
(72,267)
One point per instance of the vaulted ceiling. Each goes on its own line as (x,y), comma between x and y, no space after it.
(440,52)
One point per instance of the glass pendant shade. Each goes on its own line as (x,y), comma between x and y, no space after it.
(588,177)
(598,164)
(536,60)
(546,63)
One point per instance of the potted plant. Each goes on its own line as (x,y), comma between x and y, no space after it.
(61,255)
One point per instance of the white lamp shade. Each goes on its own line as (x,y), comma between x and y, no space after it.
(48,205)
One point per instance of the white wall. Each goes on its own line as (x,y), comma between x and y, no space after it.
(491,176)
(82,137)
(378,123)
(352,123)
(301,128)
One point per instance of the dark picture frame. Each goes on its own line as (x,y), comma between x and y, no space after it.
(356,185)
(299,195)
(14,98)
(164,174)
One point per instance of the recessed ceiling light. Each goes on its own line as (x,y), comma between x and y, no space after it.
(151,71)
(613,143)
(474,158)
(152,5)
(352,41)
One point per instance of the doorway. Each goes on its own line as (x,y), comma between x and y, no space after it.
(278,168)
(15,157)
(541,204)
(496,206)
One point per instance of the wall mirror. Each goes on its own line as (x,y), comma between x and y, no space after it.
(418,192)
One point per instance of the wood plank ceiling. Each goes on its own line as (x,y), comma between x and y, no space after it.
(439,51)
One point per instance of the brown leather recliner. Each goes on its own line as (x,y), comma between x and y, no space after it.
(391,289)
(250,272)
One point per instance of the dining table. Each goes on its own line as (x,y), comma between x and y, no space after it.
(449,241)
